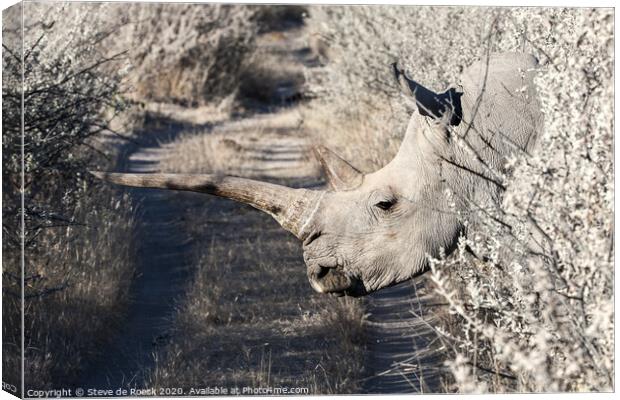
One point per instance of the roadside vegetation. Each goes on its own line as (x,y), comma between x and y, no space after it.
(88,78)
(525,317)
(77,234)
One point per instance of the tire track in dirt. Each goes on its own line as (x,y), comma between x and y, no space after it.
(404,354)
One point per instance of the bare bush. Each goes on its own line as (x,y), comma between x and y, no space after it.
(544,273)
(534,306)
(187,53)
(76,270)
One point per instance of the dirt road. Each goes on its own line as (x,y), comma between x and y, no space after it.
(163,266)
(403,353)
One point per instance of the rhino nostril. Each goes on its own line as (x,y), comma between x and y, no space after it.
(328,279)
(322,272)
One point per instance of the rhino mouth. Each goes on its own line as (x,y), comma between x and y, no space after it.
(334,281)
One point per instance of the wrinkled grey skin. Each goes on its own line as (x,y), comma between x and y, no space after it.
(375,230)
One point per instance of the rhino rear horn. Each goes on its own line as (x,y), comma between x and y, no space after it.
(340,174)
(431,104)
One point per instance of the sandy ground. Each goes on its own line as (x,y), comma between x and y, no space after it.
(404,354)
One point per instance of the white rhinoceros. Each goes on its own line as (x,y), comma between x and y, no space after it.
(374,230)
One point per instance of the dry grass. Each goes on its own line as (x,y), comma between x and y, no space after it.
(78,261)
(191,54)
(76,289)
(206,115)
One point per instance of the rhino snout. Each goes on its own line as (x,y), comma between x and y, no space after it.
(328,279)
(334,281)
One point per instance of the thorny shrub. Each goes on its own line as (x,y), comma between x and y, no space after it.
(531,287)
(186,53)
(75,232)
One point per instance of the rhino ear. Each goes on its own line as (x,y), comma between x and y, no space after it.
(430,104)
(340,174)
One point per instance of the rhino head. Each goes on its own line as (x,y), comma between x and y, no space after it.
(369,231)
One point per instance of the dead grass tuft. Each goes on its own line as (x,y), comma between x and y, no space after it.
(76,290)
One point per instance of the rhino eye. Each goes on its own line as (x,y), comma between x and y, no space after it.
(386,204)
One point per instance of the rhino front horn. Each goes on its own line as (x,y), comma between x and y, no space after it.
(340,174)
(290,207)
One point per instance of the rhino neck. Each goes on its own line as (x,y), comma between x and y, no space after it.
(434,163)
(500,117)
